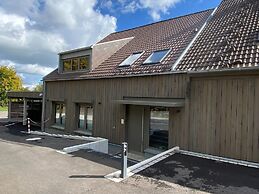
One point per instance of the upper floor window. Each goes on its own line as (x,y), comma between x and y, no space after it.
(131,59)
(76,64)
(157,56)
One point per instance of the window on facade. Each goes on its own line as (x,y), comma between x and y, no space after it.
(84,63)
(130,60)
(156,57)
(85,121)
(158,131)
(67,65)
(60,114)
(75,64)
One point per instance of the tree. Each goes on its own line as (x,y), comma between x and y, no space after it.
(9,81)
(38,88)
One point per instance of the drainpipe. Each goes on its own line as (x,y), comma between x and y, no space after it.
(43,107)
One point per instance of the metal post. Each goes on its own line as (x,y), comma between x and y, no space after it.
(24,110)
(29,125)
(9,109)
(124,155)
(43,106)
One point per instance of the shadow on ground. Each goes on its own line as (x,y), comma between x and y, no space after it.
(107,160)
(15,133)
(86,176)
(205,175)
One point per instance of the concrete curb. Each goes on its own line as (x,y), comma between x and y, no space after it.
(97,144)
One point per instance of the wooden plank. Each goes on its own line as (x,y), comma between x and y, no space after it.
(244,121)
(239,118)
(233,127)
(256,123)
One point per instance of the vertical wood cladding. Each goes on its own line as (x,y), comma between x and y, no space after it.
(102,93)
(224,117)
(220,117)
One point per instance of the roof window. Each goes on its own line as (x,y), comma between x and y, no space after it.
(156,56)
(131,59)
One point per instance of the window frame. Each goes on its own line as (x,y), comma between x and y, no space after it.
(61,122)
(78,58)
(150,63)
(141,53)
(85,128)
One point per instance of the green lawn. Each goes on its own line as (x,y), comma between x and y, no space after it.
(5,108)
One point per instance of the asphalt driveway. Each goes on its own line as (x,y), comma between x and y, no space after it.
(205,175)
(31,168)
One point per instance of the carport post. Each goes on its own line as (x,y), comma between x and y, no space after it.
(24,111)
(124,159)
(29,125)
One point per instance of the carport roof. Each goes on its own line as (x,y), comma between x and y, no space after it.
(31,95)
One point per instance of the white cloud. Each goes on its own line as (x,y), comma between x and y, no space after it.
(32,32)
(158,7)
(154,7)
(131,7)
(23,69)
(34,69)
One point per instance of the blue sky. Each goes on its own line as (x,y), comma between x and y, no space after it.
(127,20)
(32,32)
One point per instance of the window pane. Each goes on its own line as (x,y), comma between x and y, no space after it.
(57,113)
(158,132)
(156,56)
(74,64)
(84,63)
(67,65)
(131,59)
(81,122)
(89,124)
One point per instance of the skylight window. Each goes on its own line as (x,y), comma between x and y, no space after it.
(130,60)
(157,56)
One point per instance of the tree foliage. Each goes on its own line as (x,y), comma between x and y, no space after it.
(38,88)
(9,81)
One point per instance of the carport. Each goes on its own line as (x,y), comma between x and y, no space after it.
(23,105)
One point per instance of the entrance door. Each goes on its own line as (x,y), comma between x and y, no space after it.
(135,119)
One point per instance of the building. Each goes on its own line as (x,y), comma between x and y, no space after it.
(191,81)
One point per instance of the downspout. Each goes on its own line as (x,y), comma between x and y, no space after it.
(43,107)
(194,39)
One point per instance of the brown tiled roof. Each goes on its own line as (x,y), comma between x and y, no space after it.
(229,41)
(175,34)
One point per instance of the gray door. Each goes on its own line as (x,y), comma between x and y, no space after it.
(135,128)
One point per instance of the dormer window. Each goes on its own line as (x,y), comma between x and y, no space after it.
(131,59)
(156,56)
(76,64)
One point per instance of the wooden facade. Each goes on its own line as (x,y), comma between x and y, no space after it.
(223,118)
(220,116)
(103,93)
